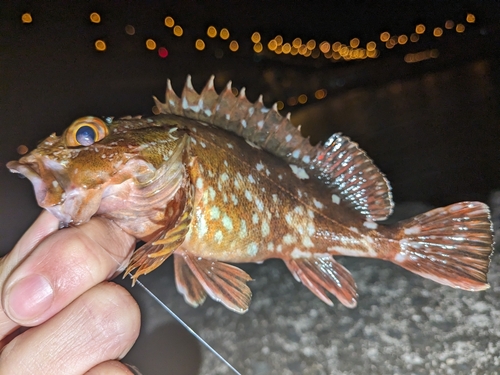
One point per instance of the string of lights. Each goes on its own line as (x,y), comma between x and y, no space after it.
(278,47)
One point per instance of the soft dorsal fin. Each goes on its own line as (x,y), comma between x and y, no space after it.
(340,163)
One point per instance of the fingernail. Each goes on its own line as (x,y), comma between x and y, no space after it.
(29,297)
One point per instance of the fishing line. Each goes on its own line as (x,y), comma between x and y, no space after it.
(176,317)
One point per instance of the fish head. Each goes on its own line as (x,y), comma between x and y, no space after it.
(72,173)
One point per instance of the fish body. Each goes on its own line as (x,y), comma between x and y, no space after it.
(216,179)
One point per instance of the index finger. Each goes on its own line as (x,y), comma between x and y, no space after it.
(61,267)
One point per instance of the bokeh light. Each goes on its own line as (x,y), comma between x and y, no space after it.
(162,52)
(100,45)
(150,44)
(178,30)
(130,30)
(460,28)
(272,45)
(384,37)
(279,40)
(470,18)
(212,31)
(320,94)
(199,45)
(224,34)
(256,37)
(449,24)
(302,99)
(420,29)
(370,46)
(280,105)
(26,18)
(169,21)
(234,46)
(324,47)
(437,32)
(95,17)
(311,44)
(402,39)
(354,43)
(22,149)
(258,47)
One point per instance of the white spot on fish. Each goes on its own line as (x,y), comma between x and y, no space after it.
(243,229)
(252,249)
(270,246)
(248,195)
(55,183)
(413,230)
(299,172)
(265,228)
(288,239)
(255,218)
(318,204)
(214,213)
(227,116)
(267,172)
(297,253)
(225,163)
(218,236)
(306,241)
(370,224)
(280,177)
(250,111)
(259,204)
(275,198)
(306,159)
(289,218)
(354,229)
(251,179)
(199,183)
(234,199)
(259,166)
(224,177)
(288,138)
(236,183)
(211,192)
(227,222)
(224,198)
(279,248)
(296,154)
(299,210)
(244,123)
(185,103)
(260,124)
(202,227)
(230,145)
(208,112)
(203,144)
(311,229)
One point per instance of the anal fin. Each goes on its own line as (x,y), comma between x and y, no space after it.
(323,274)
(223,282)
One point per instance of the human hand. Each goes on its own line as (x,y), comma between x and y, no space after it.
(54,281)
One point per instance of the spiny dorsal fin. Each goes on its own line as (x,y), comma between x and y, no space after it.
(340,163)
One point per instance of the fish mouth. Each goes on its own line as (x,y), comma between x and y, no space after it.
(55,193)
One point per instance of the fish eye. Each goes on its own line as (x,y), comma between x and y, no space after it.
(85,131)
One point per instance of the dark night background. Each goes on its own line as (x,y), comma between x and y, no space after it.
(432,126)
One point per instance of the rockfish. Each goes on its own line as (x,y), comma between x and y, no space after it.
(215,179)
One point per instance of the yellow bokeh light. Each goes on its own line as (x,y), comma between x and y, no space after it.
(470,18)
(372,54)
(414,37)
(320,94)
(199,44)
(26,18)
(150,44)
(278,50)
(370,46)
(311,44)
(302,99)
(420,29)
(279,40)
(280,105)
(22,149)
(224,33)
(389,45)
(286,48)
(169,21)
(402,39)
(234,46)
(344,51)
(303,49)
(437,32)
(211,32)
(294,51)
(384,37)
(460,28)
(297,42)
(354,43)
(393,41)
(324,47)
(178,30)
(95,17)
(308,53)
(257,47)
(100,45)
(235,91)
(256,37)
(449,24)
(130,30)
(336,56)
(336,46)
(272,45)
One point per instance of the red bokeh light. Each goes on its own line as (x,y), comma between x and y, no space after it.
(163,52)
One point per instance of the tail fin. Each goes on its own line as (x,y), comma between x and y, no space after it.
(450,245)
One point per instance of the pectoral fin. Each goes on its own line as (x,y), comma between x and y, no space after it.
(323,274)
(153,253)
(224,283)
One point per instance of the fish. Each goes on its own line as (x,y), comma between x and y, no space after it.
(215,180)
